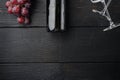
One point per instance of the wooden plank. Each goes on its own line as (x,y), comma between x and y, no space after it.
(57,71)
(79,13)
(38,16)
(76,45)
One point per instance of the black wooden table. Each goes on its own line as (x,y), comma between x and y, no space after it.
(83,52)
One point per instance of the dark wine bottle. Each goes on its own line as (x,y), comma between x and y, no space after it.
(56,15)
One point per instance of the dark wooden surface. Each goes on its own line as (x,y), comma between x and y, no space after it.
(75,45)
(83,52)
(58,71)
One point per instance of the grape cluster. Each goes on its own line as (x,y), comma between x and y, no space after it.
(20,8)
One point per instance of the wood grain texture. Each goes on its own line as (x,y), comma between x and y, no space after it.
(38,17)
(58,71)
(83,52)
(79,13)
(76,45)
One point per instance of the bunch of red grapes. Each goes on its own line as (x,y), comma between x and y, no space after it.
(20,8)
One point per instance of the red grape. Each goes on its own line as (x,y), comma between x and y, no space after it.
(14,1)
(16,9)
(8,3)
(21,20)
(27,21)
(27,5)
(20,8)
(24,11)
(10,10)
(21,1)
